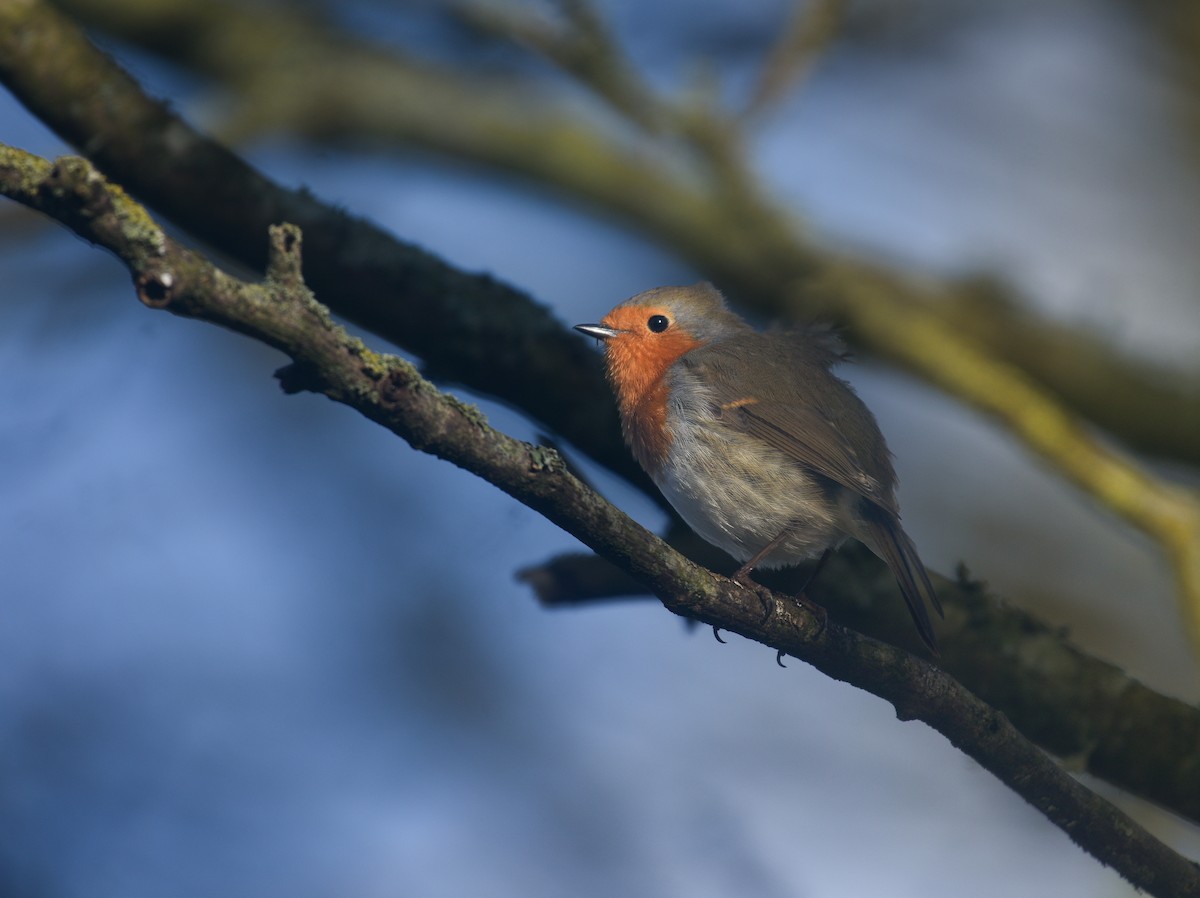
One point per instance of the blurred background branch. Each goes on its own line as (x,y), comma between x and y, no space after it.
(811,27)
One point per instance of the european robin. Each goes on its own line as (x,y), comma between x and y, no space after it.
(761,449)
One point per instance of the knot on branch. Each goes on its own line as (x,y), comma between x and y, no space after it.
(155,289)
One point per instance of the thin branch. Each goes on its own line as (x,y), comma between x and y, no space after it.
(581,46)
(282,313)
(805,37)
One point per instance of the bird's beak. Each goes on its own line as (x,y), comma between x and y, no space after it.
(599,331)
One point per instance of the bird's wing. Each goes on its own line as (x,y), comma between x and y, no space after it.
(783,393)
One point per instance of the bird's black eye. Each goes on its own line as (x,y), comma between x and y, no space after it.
(658,323)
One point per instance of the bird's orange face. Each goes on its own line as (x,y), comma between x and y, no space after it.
(646,342)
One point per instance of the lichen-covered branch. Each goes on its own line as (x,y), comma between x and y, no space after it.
(281,312)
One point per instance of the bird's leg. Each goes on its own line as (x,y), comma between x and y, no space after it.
(742,574)
(816,570)
(802,597)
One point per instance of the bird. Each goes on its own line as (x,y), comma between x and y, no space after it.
(753,440)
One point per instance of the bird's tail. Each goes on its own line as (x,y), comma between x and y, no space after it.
(891,543)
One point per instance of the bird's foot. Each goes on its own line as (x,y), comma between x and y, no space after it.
(765,597)
(742,575)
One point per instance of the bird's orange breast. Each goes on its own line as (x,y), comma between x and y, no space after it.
(637,362)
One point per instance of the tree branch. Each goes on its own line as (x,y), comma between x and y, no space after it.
(582,47)
(809,31)
(282,313)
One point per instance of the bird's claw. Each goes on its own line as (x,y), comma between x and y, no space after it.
(717,634)
(769,603)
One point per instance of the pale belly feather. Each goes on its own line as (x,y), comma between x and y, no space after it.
(739,494)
